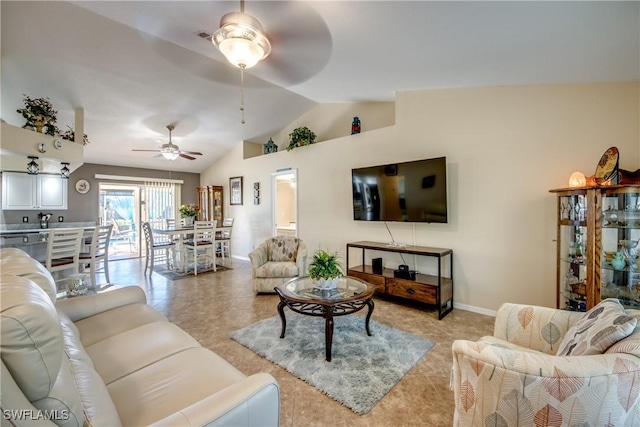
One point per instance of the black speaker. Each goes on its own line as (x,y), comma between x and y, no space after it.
(377,265)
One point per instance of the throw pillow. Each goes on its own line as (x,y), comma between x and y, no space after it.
(600,328)
(283,249)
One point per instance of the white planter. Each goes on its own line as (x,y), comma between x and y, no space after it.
(331,283)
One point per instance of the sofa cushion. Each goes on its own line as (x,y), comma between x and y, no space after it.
(123,354)
(602,326)
(116,321)
(170,385)
(277,269)
(25,266)
(283,248)
(31,338)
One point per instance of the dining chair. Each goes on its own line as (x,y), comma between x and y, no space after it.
(63,249)
(122,234)
(153,248)
(224,240)
(98,252)
(203,244)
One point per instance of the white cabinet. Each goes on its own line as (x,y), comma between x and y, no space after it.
(21,191)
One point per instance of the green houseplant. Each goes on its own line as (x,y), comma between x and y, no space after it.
(301,136)
(70,135)
(39,113)
(325,268)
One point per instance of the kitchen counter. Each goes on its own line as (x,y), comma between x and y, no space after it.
(35,228)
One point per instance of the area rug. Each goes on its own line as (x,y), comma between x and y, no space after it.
(362,369)
(174,275)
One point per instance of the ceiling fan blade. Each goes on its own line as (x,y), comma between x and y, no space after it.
(186,156)
(157,151)
(195,153)
(157,156)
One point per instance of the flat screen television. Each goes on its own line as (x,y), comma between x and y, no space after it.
(413,191)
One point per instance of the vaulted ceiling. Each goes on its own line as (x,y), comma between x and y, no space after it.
(138,66)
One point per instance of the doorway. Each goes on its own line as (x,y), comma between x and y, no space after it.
(119,205)
(284,190)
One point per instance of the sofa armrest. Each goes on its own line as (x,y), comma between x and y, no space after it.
(491,382)
(534,327)
(301,259)
(252,402)
(258,257)
(78,308)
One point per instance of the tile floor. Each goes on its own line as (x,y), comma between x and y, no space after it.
(210,306)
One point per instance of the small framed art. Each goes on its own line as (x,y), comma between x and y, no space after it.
(235,190)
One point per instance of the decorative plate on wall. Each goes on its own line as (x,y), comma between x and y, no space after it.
(82,186)
(607,166)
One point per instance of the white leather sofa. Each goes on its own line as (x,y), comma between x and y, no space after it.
(110,359)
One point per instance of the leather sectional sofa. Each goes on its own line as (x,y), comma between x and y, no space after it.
(110,359)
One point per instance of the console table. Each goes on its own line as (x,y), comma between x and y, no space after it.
(434,290)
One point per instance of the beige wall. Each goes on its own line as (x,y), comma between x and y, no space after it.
(505,148)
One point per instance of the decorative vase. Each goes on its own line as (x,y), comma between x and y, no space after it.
(188,221)
(77,284)
(39,124)
(618,262)
(330,283)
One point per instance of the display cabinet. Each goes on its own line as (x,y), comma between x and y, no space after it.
(598,233)
(211,201)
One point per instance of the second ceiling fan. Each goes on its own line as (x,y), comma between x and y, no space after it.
(170,151)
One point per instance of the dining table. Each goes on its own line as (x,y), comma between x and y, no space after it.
(179,232)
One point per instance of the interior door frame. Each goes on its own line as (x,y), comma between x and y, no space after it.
(274,198)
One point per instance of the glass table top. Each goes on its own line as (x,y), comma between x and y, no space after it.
(304,288)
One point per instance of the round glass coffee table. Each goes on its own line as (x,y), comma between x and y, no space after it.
(301,295)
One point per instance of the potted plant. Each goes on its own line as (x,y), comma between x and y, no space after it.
(325,269)
(188,211)
(301,136)
(39,113)
(70,135)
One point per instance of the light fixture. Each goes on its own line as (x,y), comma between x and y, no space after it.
(170,151)
(32,166)
(65,172)
(241,40)
(577,179)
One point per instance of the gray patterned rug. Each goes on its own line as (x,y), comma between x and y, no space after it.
(362,369)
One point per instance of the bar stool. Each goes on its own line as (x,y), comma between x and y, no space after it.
(98,252)
(63,249)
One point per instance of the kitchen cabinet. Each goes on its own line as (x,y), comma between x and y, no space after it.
(21,191)
(598,232)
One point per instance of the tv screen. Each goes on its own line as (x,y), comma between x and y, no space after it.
(410,191)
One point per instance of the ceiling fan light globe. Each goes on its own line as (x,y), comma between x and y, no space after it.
(170,155)
(241,40)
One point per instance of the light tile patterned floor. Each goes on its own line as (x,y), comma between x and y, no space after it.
(210,306)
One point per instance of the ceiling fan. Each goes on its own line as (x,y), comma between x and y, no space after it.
(170,151)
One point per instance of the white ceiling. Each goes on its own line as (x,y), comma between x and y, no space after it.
(137,66)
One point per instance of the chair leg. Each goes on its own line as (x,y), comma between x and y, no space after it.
(105,264)
(93,274)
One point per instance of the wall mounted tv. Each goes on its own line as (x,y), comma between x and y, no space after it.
(410,191)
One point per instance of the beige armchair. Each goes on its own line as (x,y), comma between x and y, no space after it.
(277,260)
(520,375)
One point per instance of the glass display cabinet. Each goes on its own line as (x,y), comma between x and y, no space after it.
(210,198)
(598,234)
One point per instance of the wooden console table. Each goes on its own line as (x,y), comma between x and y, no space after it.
(434,290)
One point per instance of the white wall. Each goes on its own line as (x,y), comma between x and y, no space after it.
(506,147)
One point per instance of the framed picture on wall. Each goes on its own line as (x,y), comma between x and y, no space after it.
(235,190)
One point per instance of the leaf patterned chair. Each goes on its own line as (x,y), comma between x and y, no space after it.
(548,367)
(276,261)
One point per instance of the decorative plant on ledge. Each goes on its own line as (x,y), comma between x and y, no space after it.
(301,136)
(70,135)
(325,269)
(39,113)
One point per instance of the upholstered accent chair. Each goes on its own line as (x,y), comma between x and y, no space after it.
(544,366)
(277,260)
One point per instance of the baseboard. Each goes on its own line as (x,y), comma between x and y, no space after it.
(474,309)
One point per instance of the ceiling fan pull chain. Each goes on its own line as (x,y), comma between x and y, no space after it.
(242,93)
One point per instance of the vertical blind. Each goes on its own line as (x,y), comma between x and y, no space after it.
(161,200)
